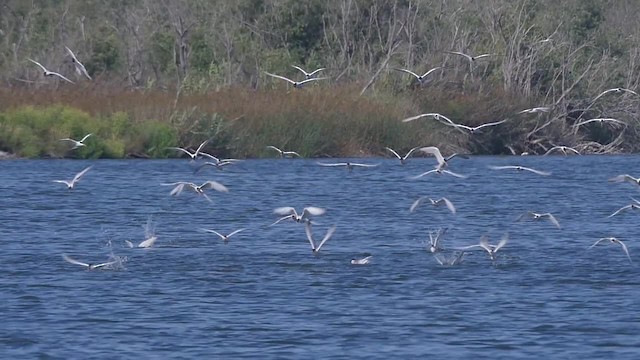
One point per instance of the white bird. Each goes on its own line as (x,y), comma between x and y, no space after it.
(363,261)
(538,216)
(296,84)
(282,153)
(436,116)
(613,241)
(437,202)
(192,155)
(491,249)
(71,183)
(78,65)
(88,266)
(600,121)
(129,243)
(455,259)
(420,78)
(520,168)
(617,90)
(535,110)
(563,149)
(471,59)
(50,73)
(305,216)
(635,205)
(439,172)
(147,243)
(473,129)
(76,143)
(403,159)
(225,238)
(327,236)
(442,161)
(198,189)
(308,75)
(348,165)
(625,177)
(434,240)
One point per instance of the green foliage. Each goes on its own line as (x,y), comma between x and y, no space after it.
(106,56)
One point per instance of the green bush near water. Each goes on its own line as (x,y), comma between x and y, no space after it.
(36,132)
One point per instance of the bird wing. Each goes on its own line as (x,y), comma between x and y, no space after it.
(417,203)
(291,153)
(461,54)
(602,94)
(235,232)
(440,259)
(40,65)
(148,242)
(624,248)
(408,72)
(280,77)
(327,236)
(214,185)
(178,189)
(620,210)
(215,232)
(598,242)
(307,230)
(449,205)
(274,148)
(200,147)
(482,56)
(302,70)
(365,165)
(585,122)
(80,174)
(312,210)
(331,164)
(316,71)
(417,117)
(625,177)
(129,243)
(502,242)
(285,210)
(454,174)
(430,71)
(484,243)
(528,213)
(282,219)
(83,70)
(61,76)
(490,124)
(71,53)
(423,174)
(104,264)
(311,79)
(74,261)
(435,152)
(552,150)
(552,219)
(629,91)
(393,152)
(411,152)
(85,137)
(544,173)
(181,149)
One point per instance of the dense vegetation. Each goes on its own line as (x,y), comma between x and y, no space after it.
(176,72)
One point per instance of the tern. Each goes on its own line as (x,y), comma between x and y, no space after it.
(225,238)
(562,149)
(305,216)
(71,183)
(613,241)
(147,243)
(348,165)
(50,73)
(363,261)
(438,202)
(439,171)
(442,161)
(434,240)
(420,78)
(625,177)
(296,84)
(403,159)
(78,65)
(198,189)
(308,75)
(617,90)
(473,129)
(491,249)
(520,168)
(538,216)
(600,121)
(436,116)
(455,259)
(76,143)
(192,155)
(327,236)
(471,59)
(284,154)
(88,266)
(535,110)
(635,205)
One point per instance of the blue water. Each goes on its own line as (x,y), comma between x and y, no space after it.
(264,295)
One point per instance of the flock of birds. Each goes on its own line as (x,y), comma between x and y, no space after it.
(442,167)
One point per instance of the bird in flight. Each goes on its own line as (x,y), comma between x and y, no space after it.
(420,78)
(198,189)
(471,59)
(290,213)
(308,75)
(535,110)
(626,177)
(617,90)
(71,260)
(225,238)
(348,165)
(538,216)
(520,168)
(50,73)
(71,183)
(438,202)
(562,149)
(80,69)
(635,205)
(613,240)
(284,154)
(403,159)
(192,155)
(76,143)
(316,248)
(296,84)
(612,121)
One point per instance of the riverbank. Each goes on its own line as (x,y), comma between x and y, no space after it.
(316,122)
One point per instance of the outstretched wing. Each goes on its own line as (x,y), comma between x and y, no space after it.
(408,72)
(40,65)
(214,185)
(327,236)
(74,261)
(80,174)
(214,232)
(280,77)
(393,152)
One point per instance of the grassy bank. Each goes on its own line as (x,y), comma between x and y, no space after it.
(315,122)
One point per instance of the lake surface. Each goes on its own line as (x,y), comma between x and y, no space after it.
(265,295)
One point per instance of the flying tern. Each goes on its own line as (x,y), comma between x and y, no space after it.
(520,168)
(473,129)
(613,240)
(562,149)
(436,116)
(434,240)
(442,161)
(438,202)
(76,143)
(422,77)
(71,183)
(635,205)
(327,236)
(491,249)
(348,165)
(600,121)
(290,213)
(535,110)
(625,177)
(192,155)
(282,153)
(296,84)
(617,90)
(198,189)
(86,265)
(469,57)
(78,65)
(50,73)
(308,75)
(538,216)
(403,159)
(225,238)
